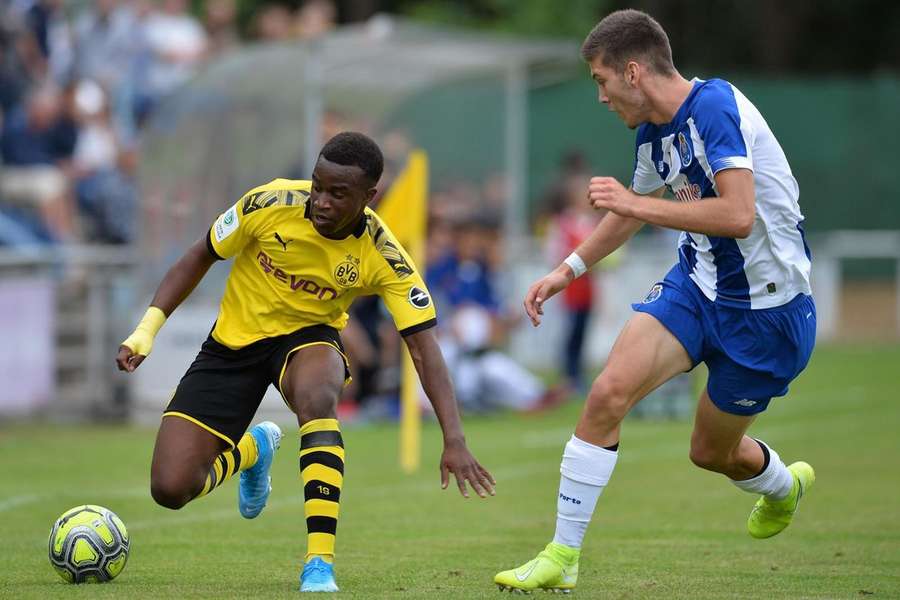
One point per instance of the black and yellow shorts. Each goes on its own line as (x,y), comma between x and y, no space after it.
(223,388)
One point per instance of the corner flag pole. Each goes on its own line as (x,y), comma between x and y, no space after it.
(405,211)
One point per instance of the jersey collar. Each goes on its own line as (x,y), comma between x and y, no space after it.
(361,228)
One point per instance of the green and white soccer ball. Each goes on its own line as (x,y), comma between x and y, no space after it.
(88,544)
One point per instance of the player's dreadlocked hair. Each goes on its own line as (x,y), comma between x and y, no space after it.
(352,148)
(626,35)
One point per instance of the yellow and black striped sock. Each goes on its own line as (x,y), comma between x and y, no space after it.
(230,462)
(322,471)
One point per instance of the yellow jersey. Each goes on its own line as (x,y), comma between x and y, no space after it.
(287,276)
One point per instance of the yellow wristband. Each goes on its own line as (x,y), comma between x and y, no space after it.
(141,340)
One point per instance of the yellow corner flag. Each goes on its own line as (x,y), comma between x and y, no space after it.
(404,209)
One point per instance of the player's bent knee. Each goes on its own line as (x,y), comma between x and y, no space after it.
(319,403)
(170,492)
(608,401)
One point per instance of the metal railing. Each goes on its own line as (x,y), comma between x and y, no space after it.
(92,289)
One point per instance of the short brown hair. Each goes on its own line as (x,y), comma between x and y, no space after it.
(627,35)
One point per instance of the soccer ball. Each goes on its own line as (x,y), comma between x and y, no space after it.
(88,544)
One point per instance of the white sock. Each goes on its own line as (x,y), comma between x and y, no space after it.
(775,481)
(585,470)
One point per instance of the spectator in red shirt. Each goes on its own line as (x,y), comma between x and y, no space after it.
(568,227)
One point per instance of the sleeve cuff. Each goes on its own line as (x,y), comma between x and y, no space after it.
(209,246)
(731,162)
(644,190)
(417,328)
(643,187)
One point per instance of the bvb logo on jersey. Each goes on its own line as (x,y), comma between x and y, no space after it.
(347,273)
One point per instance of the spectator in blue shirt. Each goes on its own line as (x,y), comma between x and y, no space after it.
(35,146)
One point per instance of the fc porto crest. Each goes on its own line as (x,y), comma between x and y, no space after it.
(684,149)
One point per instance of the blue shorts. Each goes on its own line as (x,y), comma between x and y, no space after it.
(752,355)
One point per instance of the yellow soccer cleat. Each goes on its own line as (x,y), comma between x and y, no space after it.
(555,569)
(770,517)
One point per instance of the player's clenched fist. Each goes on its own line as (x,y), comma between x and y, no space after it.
(138,345)
(607,193)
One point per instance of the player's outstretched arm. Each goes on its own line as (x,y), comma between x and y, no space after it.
(456,458)
(612,231)
(177,285)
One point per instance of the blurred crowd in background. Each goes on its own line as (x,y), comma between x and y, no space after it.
(464,270)
(78,81)
(126,125)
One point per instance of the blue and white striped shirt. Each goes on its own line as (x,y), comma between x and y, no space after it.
(717,128)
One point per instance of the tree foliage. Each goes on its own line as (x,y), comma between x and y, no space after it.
(855,37)
(772,36)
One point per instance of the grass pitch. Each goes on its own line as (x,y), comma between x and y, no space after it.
(663,529)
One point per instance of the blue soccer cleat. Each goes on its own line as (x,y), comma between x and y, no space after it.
(317,576)
(256,483)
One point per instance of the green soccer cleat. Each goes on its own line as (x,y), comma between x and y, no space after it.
(555,569)
(769,517)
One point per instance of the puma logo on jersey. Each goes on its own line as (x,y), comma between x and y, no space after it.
(282,242)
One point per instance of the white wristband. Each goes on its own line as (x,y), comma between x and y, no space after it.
(576,264)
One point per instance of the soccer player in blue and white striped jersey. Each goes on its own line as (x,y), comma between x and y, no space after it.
(738,298)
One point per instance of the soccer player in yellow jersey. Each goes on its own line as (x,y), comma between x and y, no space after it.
(303,250)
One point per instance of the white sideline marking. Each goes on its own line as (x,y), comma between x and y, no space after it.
(25,499)
(17,501)
(514,472)
(518,471)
